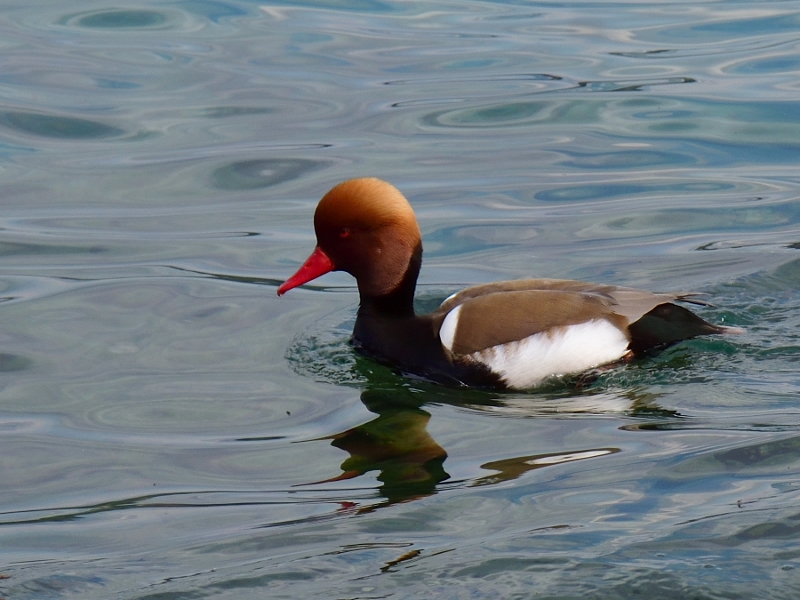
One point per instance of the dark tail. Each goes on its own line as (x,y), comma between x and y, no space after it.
(669,323)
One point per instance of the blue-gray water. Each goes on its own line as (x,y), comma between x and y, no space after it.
(169,428)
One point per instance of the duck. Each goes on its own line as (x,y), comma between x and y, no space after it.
(513,334)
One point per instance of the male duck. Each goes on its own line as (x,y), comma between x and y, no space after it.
(509,334)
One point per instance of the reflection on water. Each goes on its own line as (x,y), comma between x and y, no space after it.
(408,461)
(512,468)
(397,445)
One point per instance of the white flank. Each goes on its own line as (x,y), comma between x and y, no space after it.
(563,351)
(447,332)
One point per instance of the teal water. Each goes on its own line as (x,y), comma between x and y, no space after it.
(169,428)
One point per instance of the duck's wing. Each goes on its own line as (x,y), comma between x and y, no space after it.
(492,319)
(611,293)
(493,314)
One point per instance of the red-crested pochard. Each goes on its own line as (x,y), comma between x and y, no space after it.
(509,334)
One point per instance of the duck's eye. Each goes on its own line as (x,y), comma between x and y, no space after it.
(344,233)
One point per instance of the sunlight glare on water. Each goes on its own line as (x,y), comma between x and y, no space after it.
(170,428)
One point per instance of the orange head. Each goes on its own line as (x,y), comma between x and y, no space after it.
(366,228)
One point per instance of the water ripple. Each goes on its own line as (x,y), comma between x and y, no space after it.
(114,19)
(256,174)
(58,127)
(124,19)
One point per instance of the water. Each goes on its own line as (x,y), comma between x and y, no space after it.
(171,429)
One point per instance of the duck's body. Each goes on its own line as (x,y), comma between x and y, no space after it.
(512,334)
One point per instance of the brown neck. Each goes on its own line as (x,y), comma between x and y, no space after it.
(399,303)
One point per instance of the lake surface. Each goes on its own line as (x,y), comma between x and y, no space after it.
(170,428)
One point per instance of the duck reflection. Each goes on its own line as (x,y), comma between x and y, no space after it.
(397,445)
(512,468)
(410,464)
